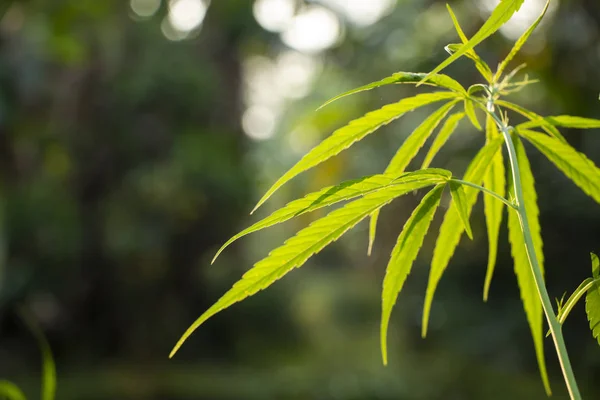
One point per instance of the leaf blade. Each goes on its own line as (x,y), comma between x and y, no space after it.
(451,229)
(576,166)
(11,391)
(458,196)
(353,132)
(525,278)
(566,121)
(592,310)
(547,126)
(403,256)
(297,250)
(442,137)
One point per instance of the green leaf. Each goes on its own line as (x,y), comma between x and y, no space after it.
(470,111)
(10,391)
(565,121)
(592,309)
(595,266)
(525,278)
(539,120)
(459,198)
(354,131)
(565,309)
(442,137)
(482,67)
(372,231)
(409,150)
(519,43)
(499,16)
(403,256)
(495,181)
(344,191)
(451,229)
(581,170)
(298,249)
(438,80)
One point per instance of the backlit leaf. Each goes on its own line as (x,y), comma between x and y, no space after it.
(470,111)
(403,255)
(438,80)
(581,170)
(442,137)
(10,391)
(296,250)
(452,229)
(460,200)
(354,131)
(519,43)
(501,14)
(565,121)
(592,309)
(525,278)
(494,180)
(344,191)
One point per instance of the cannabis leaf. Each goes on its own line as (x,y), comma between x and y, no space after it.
(403,255)
(442,137)
(499,16)
(354,131)
(566,121)
(458,197)
(451,229)
(298,249)
(580,169)
(525,278)
(536,119)
(592,300)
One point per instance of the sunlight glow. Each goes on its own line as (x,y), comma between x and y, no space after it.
(274,15)
(313,30)
(144,8)
(259,122)
(186,15)
(295,74)
(523,18)
(362,12)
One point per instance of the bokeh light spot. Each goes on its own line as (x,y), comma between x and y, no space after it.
(259,122)
(274,15)
(144,8)
(313,30)
(186,15)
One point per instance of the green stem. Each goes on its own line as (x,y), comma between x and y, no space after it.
(486,191)
(555,327)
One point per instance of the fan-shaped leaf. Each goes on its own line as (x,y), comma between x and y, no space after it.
(482,67)
(533,117)
(499,16)
(354,131)
(575,165)
(439,80)
(566,121)
(10,391)
(525,278)
(442,137)
(451,229)
(296,250)
(403,255)
(519,43)
(592,309)
(460,200)
(344,191)
(495,181)
(409,150)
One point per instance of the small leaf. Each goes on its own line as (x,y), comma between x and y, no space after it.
(438,80)
(581,170)
(355,131)
(459,198)
(525,278)
(344,191)
(538,119)
(595,266)
(501,14)
(451,229)
(519,44)
(10,391)
(592,309)
(495,181)
(483,68)
(403,256)
(470,111)
(298,249)
(442,137)
(372,232)
(566,121)
(564,309)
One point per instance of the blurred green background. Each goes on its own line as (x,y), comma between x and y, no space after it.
(135,137)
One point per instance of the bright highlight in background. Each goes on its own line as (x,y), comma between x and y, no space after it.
(274,15)
(186,15)
(362,12)
(522,19)
(144,8)
(259,122)
(313,30)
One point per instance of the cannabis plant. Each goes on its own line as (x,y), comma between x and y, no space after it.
(509,187)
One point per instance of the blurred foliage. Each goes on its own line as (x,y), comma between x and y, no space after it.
(124,165)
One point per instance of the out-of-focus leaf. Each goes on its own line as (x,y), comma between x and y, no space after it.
(10,391)
(442,137)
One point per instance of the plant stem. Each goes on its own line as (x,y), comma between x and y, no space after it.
(555,327)
(486,191)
